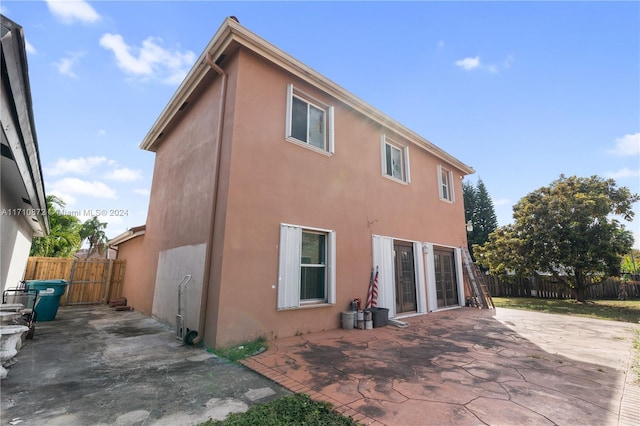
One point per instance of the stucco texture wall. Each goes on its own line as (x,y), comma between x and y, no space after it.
(136,286)
(181,200)
(272,181)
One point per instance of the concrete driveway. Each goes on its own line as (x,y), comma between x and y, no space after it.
(95,366)
(467,367)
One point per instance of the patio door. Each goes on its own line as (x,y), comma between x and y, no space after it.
(446,283)
(405,277)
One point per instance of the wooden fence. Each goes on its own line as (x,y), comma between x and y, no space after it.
(89,281)
(547,288)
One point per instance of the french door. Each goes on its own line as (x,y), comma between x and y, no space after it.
(446,283)
(405,277)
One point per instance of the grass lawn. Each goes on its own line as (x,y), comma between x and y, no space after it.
(291,410)
(615,310)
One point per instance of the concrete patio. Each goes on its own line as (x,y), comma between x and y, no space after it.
(95,366)
(467,367)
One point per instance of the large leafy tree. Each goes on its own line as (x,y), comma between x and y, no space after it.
(64,238)
(478,208)
(93,231)
(569,229)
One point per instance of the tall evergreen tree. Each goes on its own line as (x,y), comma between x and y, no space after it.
(478,208)
(485,216)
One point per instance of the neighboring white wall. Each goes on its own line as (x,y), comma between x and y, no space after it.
(15,235)
(173,264)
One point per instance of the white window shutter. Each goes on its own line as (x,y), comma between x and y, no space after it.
(289,107)
(432,302)
(421,285)
(459,276)
(451,189)
(383,154)
(289,267)
(439,171)
(406,165)
(330,123)
(331,269)
(383,260)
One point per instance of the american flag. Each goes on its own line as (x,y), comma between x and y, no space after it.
(372,297)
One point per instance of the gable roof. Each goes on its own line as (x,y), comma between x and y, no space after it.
(229,37)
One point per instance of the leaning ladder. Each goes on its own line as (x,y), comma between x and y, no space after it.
(477,281)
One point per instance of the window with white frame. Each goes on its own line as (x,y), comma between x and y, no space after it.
(395,160)
(306,275)
(309,121)
(445,184)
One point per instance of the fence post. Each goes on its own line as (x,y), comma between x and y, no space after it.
(73,270)
(107,284)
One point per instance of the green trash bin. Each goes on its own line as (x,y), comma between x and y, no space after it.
(49,294)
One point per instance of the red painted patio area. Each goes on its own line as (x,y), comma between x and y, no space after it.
(466,367)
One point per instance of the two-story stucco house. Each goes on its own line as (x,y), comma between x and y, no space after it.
(279,191)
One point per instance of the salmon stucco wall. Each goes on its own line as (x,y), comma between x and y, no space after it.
(179,216)
(139,296)
(273,181)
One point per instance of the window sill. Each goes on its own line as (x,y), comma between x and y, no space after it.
(444,200)
(392,179)
(308,146)
(308,306)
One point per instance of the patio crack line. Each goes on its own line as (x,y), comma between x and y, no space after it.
(566,394)
(522,406)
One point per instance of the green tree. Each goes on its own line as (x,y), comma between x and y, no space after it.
(94,232)
(64,239)
(569,229)
(478,208)
(630,264)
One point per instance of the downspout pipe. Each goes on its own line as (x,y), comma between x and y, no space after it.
(206,279)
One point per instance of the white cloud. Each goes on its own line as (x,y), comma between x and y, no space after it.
(29,48)
(468,63)
(473,63)
(80,165)
(123,175)
(142,191)
(68,199)
(70,11)
(440,44)
(102,132)
(623,173)
(75,186)
(627,145)
(150,60)
(66,64)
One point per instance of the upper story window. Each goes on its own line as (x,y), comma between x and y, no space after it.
(309,121)
(395,160)
(445,184)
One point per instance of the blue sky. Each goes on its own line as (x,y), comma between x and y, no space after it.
(521,91)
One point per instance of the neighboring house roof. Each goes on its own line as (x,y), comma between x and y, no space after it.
(21,170)
(127,235)
(230,37)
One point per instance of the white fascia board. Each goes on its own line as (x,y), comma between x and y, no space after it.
(22,131)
